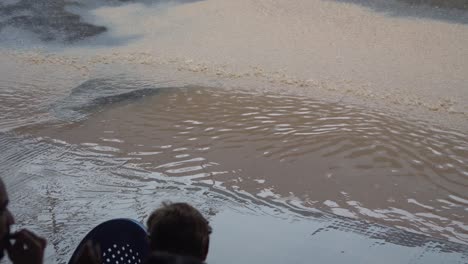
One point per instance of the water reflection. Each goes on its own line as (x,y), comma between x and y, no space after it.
(325,245)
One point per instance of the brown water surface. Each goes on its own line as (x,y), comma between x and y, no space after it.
(287,150)
(324,173)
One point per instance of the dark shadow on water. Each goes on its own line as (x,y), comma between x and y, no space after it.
(453,11)
(51,20)
(96,94)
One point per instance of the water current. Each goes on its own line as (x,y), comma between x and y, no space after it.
(291,128)
(111,153)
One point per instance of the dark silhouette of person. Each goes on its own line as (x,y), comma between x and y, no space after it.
(179,229)
(23,247)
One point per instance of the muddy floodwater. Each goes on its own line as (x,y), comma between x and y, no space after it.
(262,164)
(307,131)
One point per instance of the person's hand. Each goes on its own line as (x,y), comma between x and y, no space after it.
(28,248)
(88,254)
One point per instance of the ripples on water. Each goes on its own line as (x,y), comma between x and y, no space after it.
(218,149)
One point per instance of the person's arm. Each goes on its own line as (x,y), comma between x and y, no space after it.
(28,248)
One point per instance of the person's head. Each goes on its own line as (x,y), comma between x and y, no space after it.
(6,219)
(180,229)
